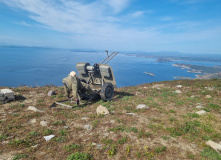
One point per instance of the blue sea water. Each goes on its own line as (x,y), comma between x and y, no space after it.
(43,66)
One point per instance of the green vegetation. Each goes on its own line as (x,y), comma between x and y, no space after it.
(19,156)
(170,122)
(79,156)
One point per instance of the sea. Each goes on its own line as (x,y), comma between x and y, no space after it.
(35,66)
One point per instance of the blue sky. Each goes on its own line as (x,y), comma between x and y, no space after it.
(190,26)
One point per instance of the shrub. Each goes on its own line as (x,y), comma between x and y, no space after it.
(79,156)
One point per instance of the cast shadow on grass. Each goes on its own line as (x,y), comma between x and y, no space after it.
(19,98)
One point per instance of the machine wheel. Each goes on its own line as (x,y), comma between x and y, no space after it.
(107,91)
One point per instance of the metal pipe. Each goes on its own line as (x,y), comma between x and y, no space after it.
(107,57)
(111,57)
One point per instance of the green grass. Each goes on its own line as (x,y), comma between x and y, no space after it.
(160,149)
(32,134)
(19,156)
(123,140)
(63,132)
(124,129)
(190,127)
(80,156)
(211,154)
(72,147)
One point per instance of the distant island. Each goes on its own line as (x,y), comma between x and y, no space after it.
(151,74)
(208,71)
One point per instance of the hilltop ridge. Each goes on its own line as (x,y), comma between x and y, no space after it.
(168,128)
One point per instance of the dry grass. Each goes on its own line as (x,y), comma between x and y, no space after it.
(170,129)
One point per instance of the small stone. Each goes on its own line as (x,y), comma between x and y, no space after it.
(142,106)
(84,118)
(99,146)
(132,114)
(202,112)
(179,86)
(35,146)
(112,121)
(199,106)
(44,123)
(102,110)
(33,109)
(94,144)
(214,145)
(210,88)
(66,127)
(208,96)
(178,91)
(51,93)
(33,121)
(88,127)
(47,138)
(192,96)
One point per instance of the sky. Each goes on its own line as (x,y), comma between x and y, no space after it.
(189,26)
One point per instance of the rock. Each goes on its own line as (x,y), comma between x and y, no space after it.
(142,106)
(210,88)
(99,146)
(44,123)
(208,96)
(132,114)
(192,96)
(214,145)
(199,105)
(33,109)
(88,127)
(47,138)
(84,118)
(51,93)
(94,144)
(35,146)
(66,127)
(102,110)
(179,86)
(202,112)
(33,121)
(178,91)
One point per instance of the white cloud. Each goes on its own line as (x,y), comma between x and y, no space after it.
(117,5)
(93,25)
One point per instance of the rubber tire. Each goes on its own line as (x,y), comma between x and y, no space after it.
(107,91)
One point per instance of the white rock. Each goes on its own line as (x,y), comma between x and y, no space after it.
(44,123)
(199,106)
(94,144)
(33,121)
(99,146)
(47,138)
(214,145)
(33,109)
(178,91)
(35,146)
(132,114)
(179,86)
(202,112)
(142,106)
(208,96)
(192,96)
(51,93)
(66,127)
(102,110)
(210,88)
(84,118)
(88,127)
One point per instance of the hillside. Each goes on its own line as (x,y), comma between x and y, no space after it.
(169,128)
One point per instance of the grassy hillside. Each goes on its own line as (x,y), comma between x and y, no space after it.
(169,129)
